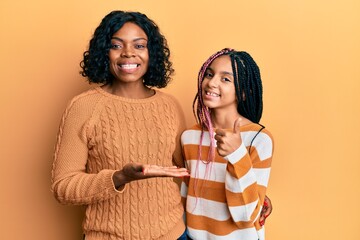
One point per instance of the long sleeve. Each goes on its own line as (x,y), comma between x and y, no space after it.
(178,159)
(70,182)
(247,178)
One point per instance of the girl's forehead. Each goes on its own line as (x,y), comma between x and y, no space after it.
(221,62)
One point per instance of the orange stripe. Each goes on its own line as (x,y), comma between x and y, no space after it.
(239,199)
(208,190)
(240,168)
(213,226)
(191,152)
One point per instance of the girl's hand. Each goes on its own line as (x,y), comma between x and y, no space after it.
(227,142)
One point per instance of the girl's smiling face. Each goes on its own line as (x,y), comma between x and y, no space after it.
(218,89)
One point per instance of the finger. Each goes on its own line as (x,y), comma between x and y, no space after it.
(136,167)
(237,125)
(267,212)
(262,214)
(220,132)
(159,171)
(218,138)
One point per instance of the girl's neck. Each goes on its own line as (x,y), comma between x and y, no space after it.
(226,120)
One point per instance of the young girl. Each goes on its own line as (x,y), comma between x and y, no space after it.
(228,153)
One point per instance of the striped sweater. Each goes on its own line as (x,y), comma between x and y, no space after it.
(98,135)
(223,199)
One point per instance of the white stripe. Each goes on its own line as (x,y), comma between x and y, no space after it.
(262,176)
(248,234)
(239,185)
(262,142)
(193,137)
(184,190)
(212,209)
(261,233)
(243,213)
(217,174)
(235,156)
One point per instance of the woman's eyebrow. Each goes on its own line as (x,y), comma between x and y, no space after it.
(134,40)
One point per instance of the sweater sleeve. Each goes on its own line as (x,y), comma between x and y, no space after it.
(246,180)
(71,184)
(178,159)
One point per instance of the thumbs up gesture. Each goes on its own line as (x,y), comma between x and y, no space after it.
(228,141)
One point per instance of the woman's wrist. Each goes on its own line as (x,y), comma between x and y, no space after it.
(119,180)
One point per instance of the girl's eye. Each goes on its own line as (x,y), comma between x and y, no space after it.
(208,75)
(227,79)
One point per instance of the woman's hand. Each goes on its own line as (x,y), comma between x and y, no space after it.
(266,210)
(135,171)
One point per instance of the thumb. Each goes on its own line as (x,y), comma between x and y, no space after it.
(237,125)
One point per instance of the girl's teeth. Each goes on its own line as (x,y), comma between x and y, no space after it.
(212,94)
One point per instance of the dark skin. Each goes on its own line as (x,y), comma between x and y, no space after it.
(135,171)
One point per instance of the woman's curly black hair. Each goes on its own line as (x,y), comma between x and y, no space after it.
(95,65)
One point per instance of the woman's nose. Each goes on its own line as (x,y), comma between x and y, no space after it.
(128,51)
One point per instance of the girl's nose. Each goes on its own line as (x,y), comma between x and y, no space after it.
(213,82)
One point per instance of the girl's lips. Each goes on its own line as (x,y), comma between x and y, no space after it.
(212,94)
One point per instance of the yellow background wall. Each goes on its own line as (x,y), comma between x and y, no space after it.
(308,52)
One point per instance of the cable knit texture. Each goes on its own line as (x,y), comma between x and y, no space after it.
(100,133)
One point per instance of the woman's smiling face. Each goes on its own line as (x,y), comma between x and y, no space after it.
(129,56)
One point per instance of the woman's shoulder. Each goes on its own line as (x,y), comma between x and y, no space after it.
(83,102)
(167,96)
(169,99)
(85,96)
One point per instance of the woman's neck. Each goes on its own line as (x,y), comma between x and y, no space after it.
(129,90)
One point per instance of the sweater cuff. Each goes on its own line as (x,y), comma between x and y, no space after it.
(121,189)
(237,154)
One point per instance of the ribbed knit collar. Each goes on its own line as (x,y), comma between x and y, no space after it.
(131,100)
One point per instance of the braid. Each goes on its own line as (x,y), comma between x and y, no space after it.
(202,113)
(248,90)
(248,85)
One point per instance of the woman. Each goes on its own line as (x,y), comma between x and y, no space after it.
(118,145)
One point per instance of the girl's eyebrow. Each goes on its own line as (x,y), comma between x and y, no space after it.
(121,40)
(222,72)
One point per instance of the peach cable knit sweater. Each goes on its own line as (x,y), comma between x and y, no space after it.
(100,133)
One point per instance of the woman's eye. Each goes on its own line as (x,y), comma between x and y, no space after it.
(140,46)
(115,46)
(227,79)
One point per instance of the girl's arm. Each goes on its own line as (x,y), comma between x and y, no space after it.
(247,175)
